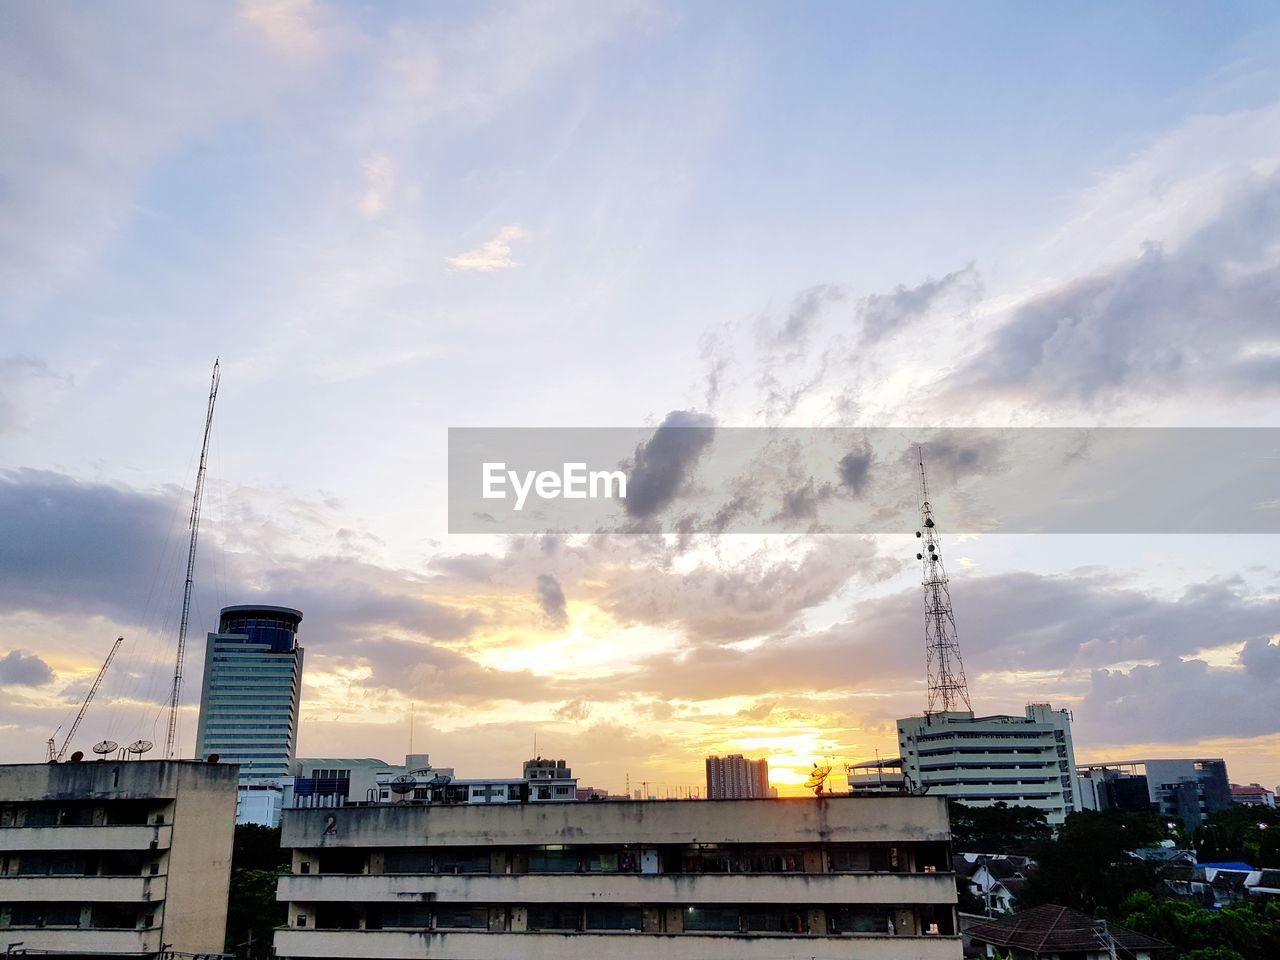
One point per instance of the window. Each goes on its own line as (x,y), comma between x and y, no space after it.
(555,917)
(553,861)
(775,920)
(858,919)
(614,918)
(712,918)
(451,917)
(302,919)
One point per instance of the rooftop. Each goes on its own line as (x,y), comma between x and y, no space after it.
(1053,929)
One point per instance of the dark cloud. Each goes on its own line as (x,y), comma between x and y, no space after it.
(662,463)
(855,468)
(883,314)
(1183,700)
(551,599)
(1155,325)
(69,546)
(23,669)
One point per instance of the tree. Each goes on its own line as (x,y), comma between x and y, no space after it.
(1088,867)
(257,863)
(1250,834)
(1245,931)
(998,828)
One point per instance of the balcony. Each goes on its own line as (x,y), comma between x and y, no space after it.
(82,889)
(597,888)
(67,940)
(111,837)
(412,945)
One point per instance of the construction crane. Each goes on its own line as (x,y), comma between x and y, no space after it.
(55,752)
(194,523)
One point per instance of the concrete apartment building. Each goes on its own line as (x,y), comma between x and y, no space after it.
(251,691)
(672,880)
(1026,760)
(115,858)
(736,778)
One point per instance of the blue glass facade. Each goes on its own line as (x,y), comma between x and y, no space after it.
(252,688)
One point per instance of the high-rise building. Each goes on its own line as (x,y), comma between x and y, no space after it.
(114,858)
(681,880)
(736,778)
(1025,761)
(252,686)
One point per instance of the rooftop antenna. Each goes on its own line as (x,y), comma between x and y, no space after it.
(947,686)
(194,523)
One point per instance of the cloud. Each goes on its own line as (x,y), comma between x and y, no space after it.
(492,255)
(573,711)
(1179,700)
(428,671)
(1142,327)
(855,467)
(805,311)
(551,599)
(23,669)
(662,463)
(885,314)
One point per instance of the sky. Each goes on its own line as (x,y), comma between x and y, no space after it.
(391,219)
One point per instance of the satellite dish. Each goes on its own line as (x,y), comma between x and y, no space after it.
(139,747)
(439,780)
(213,758)
(818,777)
(103,747)
(404,783)
(77,756)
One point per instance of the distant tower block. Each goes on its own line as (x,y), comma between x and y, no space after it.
(948,689)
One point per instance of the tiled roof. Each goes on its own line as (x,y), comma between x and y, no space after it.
(1054,929)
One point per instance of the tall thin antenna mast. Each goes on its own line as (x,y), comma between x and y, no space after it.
(191,568)
(947,686)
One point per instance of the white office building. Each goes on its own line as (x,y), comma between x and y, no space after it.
(1024,761)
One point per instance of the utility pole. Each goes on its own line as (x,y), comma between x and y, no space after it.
(947,686)
(194,523)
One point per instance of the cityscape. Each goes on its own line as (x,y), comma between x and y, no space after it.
(639,480)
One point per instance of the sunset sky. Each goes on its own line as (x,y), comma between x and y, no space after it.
(391,219)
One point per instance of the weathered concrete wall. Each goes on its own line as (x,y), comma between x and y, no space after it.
(827,820)
(195,912)
(633,888)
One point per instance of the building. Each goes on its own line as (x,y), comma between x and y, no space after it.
(678,880)
(875,776)
(259,802)
(1254,795)
(550,780)
(116,858)
(1051,932)
(1189,789)
(1027,761)
(736,778)
(252,686)
(1102,788)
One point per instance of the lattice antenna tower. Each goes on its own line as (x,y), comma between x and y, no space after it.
(170,740)
(948,689)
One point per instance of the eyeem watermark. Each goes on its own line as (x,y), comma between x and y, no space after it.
(573,482)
